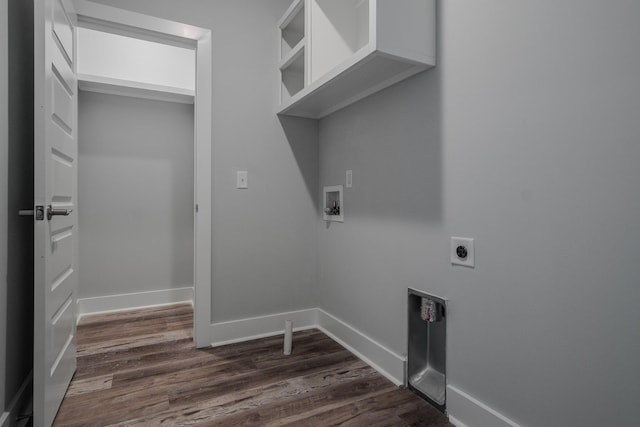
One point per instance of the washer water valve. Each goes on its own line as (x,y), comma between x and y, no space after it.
(429,310)
(333,210)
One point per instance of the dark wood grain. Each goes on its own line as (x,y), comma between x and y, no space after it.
(140,368)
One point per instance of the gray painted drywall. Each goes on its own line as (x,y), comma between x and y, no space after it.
(19,274)
(4,166)
(135,195)
(264,238)
(525,137)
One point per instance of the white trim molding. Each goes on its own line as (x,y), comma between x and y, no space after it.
(252,328)
(202,155)
(382,359)
(132,24)
(121,302)
(466,411)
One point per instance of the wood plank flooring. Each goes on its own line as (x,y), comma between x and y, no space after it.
(140,368)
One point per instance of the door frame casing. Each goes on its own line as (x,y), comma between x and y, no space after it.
(132,24)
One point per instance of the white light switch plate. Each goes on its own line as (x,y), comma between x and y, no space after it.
(242,179)
(349,179)
(466,255)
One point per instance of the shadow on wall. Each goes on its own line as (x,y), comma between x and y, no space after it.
(392,141)
(19,321)
(302,135)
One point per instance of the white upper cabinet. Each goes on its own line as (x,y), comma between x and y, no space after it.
(336,52)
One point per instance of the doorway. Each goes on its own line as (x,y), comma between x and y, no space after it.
(125,23)
(135,172)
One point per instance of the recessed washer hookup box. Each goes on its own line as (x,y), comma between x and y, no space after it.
(427,343)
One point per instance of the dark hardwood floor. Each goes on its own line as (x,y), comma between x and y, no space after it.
(140,368)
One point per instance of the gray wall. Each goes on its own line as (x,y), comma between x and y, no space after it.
(4,165)
(526,137)
(264,251)
(135,195)
(19,274)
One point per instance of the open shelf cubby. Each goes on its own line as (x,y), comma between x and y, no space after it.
(350,49)
(339,28)
(292,74)
(292,51)
(291,28)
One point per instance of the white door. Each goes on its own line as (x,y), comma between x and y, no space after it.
(55,153)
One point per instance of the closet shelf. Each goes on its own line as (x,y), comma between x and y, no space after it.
(111,86)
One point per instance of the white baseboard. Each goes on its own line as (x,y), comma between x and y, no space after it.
(385,361)
(252,328)
(20,404)
(113,303)
(466,411)
(379,357)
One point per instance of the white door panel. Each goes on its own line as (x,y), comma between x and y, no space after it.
(63,91)
(61,142)
(62,105)
(63,30)
(62,327)
(55,153)
(62,175)
(61,262)
(62,178)
(64,70)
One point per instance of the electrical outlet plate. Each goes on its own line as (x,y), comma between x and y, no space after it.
(242,179)
(467,244)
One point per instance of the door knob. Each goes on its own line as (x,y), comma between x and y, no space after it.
(51,212)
